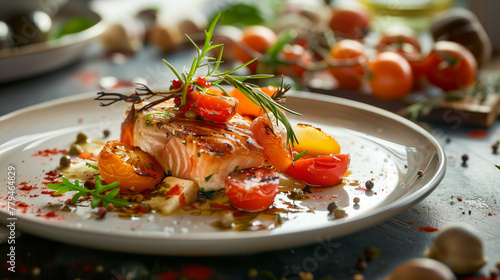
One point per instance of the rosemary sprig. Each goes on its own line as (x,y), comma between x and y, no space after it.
(218,79)
(99,194)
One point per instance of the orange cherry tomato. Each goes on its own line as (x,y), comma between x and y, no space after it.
(127,127)
(271,142)
(252,189)
(321,171)
(135,169)
(391,76)
(450,66)
(246,107)
(212,107)
(403,40)
(257,38)
(348,52)
(350,22)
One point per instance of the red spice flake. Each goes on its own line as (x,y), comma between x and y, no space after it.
(50,152)
(410,222)
(459,198)
(175,190)
(428,229)
(52,177)
(51,193)
(51,214)
(25,187)
(21,204)
(361,189)
(490,214)
(478,133)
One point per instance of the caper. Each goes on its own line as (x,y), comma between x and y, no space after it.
(75,150)
(297,193)
(64,162)
(81,138)
(190,114)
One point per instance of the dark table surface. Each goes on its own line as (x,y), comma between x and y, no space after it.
(468,193)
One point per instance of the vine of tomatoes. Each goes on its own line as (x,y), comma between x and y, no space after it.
(390,67)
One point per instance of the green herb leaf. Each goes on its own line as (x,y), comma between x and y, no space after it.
(298,156)
(71,26)
(498,166)
(91,166)
(97,193)
(208,177)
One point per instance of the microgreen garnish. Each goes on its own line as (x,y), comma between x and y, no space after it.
(91,166)
(208,177)
(102,193)
(298,156)
(498,166)
(188,82)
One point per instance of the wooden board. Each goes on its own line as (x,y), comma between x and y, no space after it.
(469,111)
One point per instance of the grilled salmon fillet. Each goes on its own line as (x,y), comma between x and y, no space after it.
(202,151)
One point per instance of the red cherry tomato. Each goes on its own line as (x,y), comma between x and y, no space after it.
(348,52)
(321,171)
(135,169)
(298,57)
(391,76)
(399,39)
(450,66)
(403,40)
(216,108)
(176,84)
(252,189)
(203,82)
(351,22)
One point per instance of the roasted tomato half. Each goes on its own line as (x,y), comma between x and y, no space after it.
(252,189)
(321,171)
(135,169)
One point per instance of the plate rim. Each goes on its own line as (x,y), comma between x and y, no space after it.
(380,212)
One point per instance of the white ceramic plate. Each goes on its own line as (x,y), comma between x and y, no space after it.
(385,148)
(35,59)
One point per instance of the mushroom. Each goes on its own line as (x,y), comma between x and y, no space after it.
(421,269)
(459,247)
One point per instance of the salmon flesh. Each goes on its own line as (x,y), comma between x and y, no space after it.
(202,151)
